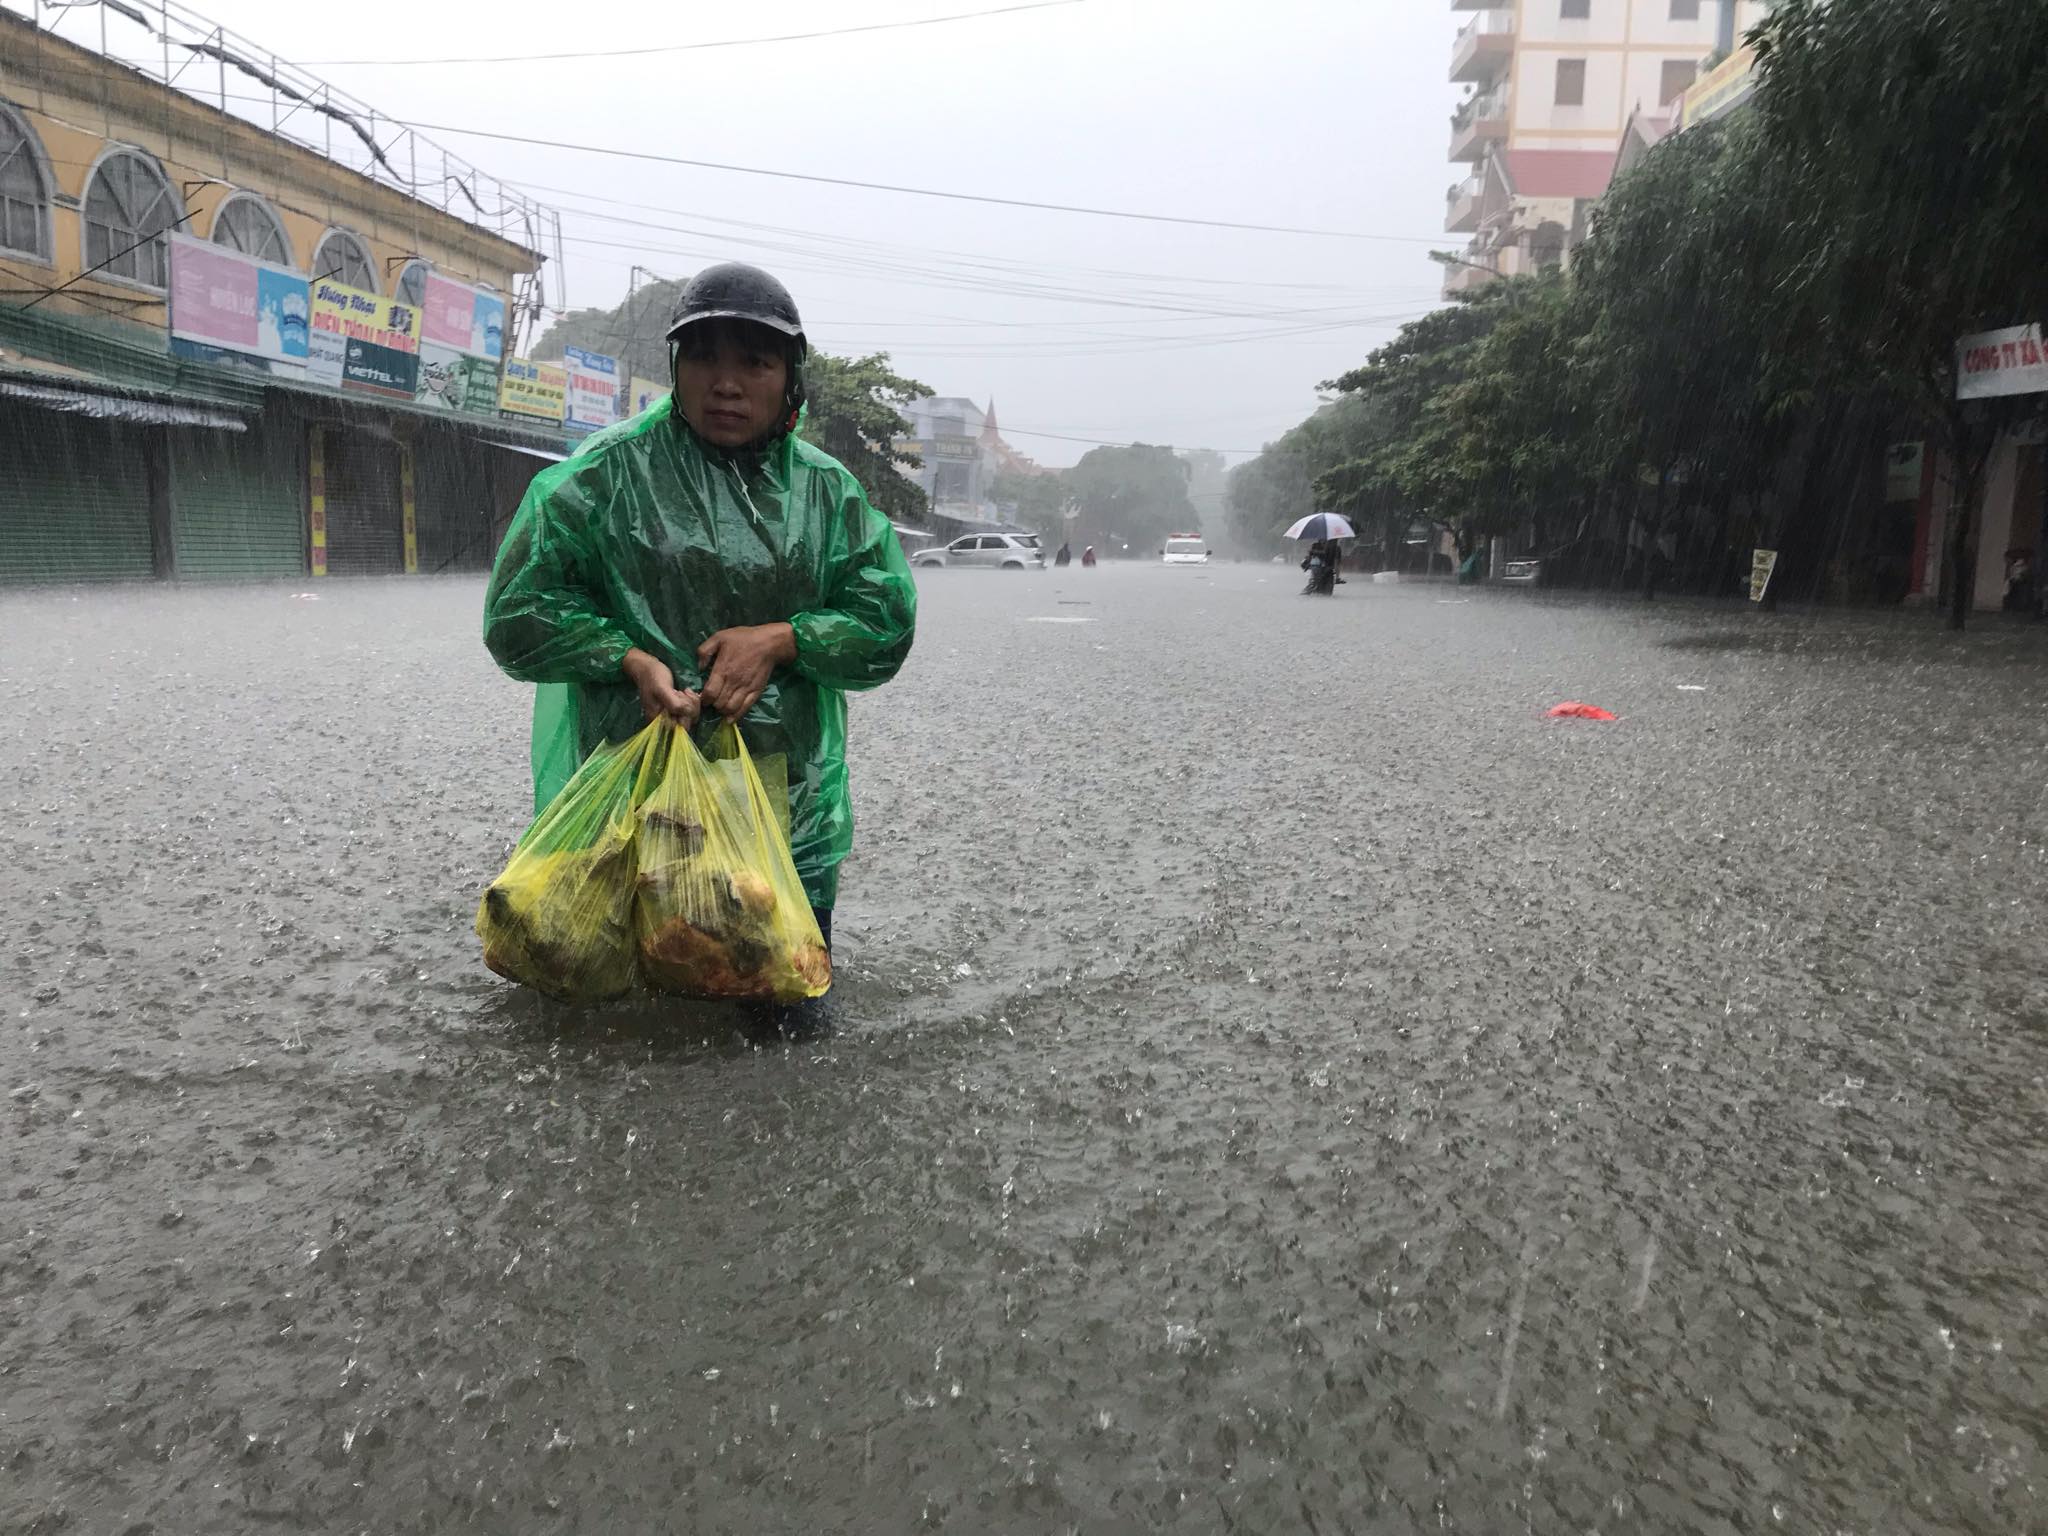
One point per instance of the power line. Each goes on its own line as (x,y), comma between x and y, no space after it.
(732,42)
(801,260)
(958,197)
(886,247)
(1127,442)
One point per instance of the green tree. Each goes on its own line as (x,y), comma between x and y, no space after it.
(1133,495)
(855,413)
(1682,333)
(1264,494)
(1400,462)
(1037,502)
(634,331)
(1512,441)
(1920,130)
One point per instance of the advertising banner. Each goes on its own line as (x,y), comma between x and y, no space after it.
(1721,89)
(450,309)
(364,341)
(487,327)
(645,393)
(593,399)
(227,301)
(533,391)
(455,381)
(2007,362)
(463,318)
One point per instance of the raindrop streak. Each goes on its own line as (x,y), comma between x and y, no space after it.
(1514,1334)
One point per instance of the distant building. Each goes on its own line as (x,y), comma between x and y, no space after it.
(963,452)
(1553,88)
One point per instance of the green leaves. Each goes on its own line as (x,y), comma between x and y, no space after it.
(855,414)
(1138,493)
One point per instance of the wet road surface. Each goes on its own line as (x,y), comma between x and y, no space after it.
(1290,1085)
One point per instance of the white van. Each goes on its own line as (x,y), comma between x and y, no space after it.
(1186,549)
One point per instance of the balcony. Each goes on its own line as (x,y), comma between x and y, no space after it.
(1478,123)
(1461,205)
(1464,279)
(1485,45)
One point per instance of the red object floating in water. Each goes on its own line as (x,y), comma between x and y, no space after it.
(1577,711)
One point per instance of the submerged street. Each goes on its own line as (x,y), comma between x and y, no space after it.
(1289,1084)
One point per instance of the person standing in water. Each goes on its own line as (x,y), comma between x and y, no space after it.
(702,556)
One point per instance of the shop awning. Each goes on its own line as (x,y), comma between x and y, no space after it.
(119,407)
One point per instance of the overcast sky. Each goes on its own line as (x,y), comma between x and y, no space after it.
(1324,113)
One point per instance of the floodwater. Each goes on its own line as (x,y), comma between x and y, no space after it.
(1289,1085)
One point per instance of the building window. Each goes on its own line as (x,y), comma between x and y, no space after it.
(343,257)
(1577,10)
(245,223)
(1679,75)
(1685,10)
(24,192)
(1571,82)
(128,207)
(412,284)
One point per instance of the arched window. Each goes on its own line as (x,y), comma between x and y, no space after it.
(412,284)
(24,190)
(128,206)
(343,257)
(245,223)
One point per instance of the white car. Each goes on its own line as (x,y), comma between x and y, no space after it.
(1186,549)
(1001,551)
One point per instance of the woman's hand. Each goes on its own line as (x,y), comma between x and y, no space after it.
(659,695)
(739,663)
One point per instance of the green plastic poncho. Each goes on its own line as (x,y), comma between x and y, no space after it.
(649,537)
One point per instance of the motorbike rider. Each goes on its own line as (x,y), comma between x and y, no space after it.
(1321,566)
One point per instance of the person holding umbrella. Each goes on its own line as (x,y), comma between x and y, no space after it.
(1326,529)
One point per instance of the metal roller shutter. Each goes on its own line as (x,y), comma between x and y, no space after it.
(74,499)
(365,512)
(456,525)
(238,505)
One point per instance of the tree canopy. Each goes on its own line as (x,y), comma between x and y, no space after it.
(1134,495)
(855,413)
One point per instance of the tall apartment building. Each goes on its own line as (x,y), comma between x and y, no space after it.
(1551,86)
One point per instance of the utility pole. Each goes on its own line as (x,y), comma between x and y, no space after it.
(1726,42)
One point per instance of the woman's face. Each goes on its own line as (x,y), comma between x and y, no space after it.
(731,381)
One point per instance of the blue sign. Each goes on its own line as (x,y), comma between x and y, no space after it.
(593,399)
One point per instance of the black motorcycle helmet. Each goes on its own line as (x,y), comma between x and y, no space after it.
(732,290)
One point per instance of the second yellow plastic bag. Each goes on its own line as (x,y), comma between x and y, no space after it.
(720,911)
(560,918)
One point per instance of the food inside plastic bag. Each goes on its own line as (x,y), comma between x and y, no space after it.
(721,913)
(560,918)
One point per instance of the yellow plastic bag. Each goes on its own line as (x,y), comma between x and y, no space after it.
(720,912)
(560,918)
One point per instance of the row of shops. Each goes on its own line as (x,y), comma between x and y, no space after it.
(215,476)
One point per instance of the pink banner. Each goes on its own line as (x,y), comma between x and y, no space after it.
(213,296)
(451,309)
